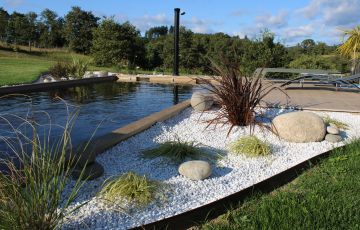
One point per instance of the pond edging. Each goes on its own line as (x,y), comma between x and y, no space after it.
(102,143)
(38,87)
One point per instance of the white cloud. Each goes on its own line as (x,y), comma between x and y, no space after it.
(272,21)
(333,12)
(195,24)
(201,25)
(330,16)
(292,33)
(147,21)
(250,32)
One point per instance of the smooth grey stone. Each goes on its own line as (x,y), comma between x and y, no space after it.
(332,130)
(333,138)
(195,170)
(201,102)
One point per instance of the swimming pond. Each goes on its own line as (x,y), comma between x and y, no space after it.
(101,108)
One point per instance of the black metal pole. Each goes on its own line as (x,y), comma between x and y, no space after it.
(176,41)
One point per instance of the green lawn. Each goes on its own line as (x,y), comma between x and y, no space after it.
(24,67)
(21,70)
(324,197)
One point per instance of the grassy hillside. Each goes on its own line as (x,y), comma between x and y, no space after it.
(20,66)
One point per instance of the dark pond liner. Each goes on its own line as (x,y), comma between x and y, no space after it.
(38,87)
(216,208)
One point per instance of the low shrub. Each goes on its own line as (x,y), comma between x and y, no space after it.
(78,67)
(59,70)
(251,146)
(130,186)
(337,123)
(176,151)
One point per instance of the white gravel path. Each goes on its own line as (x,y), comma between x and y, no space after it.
(231,174)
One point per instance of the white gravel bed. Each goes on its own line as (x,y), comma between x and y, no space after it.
(231,174)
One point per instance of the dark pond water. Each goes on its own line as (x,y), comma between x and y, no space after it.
(107,106)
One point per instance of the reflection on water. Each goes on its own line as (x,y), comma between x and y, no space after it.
(107,105)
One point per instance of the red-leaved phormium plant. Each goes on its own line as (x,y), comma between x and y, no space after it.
(237,95)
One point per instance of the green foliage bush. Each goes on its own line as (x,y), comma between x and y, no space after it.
(130,186)
(59,70)
(78,67)
(250,146)
(115,44)
(313,62)
(177,151)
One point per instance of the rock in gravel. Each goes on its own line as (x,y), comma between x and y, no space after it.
(333,138)
(300,127)
(201,101)
(195,170)
(91,171)
(332,130)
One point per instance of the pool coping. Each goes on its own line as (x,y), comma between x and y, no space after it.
(38,87)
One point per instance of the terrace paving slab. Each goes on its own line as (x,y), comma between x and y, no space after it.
(312,98)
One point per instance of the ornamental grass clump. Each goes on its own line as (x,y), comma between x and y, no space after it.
(237,95)
(32,188)
(78,67)
(176,151)
(250,146)
(339,124)
(130,186)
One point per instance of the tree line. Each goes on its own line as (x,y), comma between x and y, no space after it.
(111,43)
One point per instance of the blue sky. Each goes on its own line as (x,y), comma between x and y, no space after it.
(291,20)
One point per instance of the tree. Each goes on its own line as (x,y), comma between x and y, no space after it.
(351,48)
(78,29)
(50,29)
(31,30)
(308,46)
(17,24)
(312,62)
(154,50)
(156,32)
(115,44)
(4,17)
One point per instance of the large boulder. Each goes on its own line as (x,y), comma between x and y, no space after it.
(201,101)
(300,127)
(195,170)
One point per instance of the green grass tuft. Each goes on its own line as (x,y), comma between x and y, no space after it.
(337,123)
(177,151)
(251,146)
(130,186)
